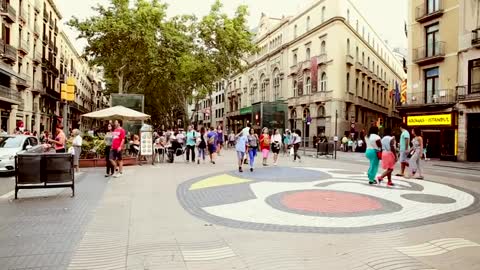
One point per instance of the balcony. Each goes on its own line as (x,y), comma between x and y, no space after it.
(55,50)
(322,59)
(22,15)
(476,37)
(38,87)
(10,55)
(429,54)
(8,12)
(10,95)
(426,12)
(45,16)
(56,29)
(307,64)
(294,69)
(440,97)
(23,46)
(50,43)
(45,39)
(23,82)
(37,57)
(468,93)
(36,30)
(350,60)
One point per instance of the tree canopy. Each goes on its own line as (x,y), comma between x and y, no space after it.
(143,51)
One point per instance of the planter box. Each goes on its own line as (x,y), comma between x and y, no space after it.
(100,163)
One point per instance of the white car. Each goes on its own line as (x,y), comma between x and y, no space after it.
(10,146)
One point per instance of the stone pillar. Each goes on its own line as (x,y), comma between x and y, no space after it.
(12,120)
(37,122)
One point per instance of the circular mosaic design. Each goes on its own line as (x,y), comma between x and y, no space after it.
(321,200)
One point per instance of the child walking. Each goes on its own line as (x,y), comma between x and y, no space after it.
(241,147)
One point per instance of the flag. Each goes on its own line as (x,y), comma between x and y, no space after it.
(397,94)
(403,93)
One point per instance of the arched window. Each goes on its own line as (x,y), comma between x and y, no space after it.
(356,86)
(307,54)
(323,47)
(348,46)
(348,82)
(356,54)
(323,14)
(295,92)
(363,89)
(308,24)
(323,82)
(276,84)
(295,59)
(263,87)
(306,113)
(321,111)
(293,119)
(295,31)
(363,58)
(368,62)
(308,85)
(252,91)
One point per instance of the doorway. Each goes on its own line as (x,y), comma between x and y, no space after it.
(473,133)
(432,138)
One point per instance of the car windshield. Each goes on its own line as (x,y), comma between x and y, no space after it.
(10,142)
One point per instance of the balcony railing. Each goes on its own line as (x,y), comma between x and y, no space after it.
(476,37)
(45,39)
(350,60)
(428,54)
(51,23)
(429,10)
(468,93)
(56,29)
(10,52)
(322,58)
(23,46)
(7,11)
(22,15)
(36,29)
(8,93)
(45,16)
(440,96)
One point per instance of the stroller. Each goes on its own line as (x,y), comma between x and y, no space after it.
(174,149)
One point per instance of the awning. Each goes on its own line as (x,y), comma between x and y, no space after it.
(247,110)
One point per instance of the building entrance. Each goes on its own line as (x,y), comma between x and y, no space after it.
(473,135)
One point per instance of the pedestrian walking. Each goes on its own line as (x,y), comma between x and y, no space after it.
(231,139)
(108,146)
(220,139)
(276,145)
(374,146)
(404,149)
(265,145)
(191,142)
(212,144)
(241,147)
(286,141)
(389,156)
(202,145)
(77,148)
(253,142)
(60,140)
(246,131)
(416,154)
(296,141)
(118,142)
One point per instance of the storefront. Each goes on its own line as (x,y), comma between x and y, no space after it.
(272,115)
(440,133)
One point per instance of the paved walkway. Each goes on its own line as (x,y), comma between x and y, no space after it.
(318,214)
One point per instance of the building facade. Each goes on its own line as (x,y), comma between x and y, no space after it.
(443,77)
(30,65)
(324,70)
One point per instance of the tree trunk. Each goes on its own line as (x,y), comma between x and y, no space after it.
(120,83)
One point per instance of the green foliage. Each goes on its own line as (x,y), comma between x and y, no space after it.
(144,51)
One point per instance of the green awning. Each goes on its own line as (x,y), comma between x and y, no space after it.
(247,110)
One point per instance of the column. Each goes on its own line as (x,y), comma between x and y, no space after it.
(12,120)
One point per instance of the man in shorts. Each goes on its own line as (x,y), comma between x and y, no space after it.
(404,148)
(117,147)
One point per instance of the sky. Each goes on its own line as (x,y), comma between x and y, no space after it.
(387,17)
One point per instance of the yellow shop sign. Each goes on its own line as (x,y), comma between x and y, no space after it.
(430,120)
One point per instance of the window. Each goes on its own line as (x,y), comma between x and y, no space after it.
(348,15)
(431,84)
(323,14)
(348,82)
(474,76)
(321,111)
(432,35)
(295,94)
(348,46)
(295,58)
(356,25)
(323,47)
(363,89)
(307,54)
(363,58)
(276,84)
(308,85)
(432,6)
(356,54)
(308,24)
(295,31)
(356,86)
(368,62)
(323,82)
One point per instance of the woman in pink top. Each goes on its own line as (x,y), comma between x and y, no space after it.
(59,141)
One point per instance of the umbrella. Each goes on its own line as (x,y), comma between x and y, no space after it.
(117,112)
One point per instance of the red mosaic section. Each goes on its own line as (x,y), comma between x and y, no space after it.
(329,202)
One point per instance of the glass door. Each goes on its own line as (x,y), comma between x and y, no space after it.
(431,84)
(432,38)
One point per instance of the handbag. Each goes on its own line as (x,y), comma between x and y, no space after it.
(411,153)
(379,155)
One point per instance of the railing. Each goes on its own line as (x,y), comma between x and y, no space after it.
(468,92)
(425,11)
(36,29)
(51,22)
(322,58)
(434,50)
(441,96)
(11,52)
(350,59)
(9,93)
(56,28)
(7,9)
(476,37)
(23,45)
(22,14)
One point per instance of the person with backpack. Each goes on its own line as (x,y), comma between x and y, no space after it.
(212,144)
(202,145)
(191,142)
(265,145)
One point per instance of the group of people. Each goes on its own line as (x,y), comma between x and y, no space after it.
(384,150)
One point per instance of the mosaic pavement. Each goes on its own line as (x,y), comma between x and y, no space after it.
(321,200)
